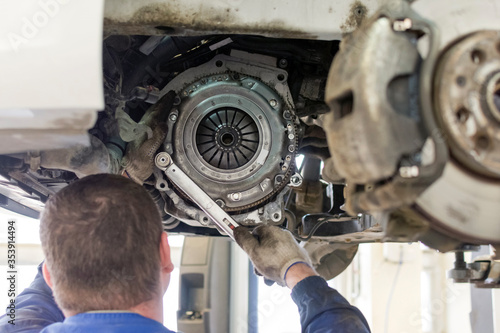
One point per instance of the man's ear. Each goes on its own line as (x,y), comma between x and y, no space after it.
(46,275)
(166,261)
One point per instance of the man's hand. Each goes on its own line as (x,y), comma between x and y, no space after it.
(274,253)
(138,161)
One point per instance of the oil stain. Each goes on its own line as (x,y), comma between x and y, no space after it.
(357,13)
(146,20)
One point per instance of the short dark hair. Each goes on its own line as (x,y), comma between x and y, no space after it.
(101,239)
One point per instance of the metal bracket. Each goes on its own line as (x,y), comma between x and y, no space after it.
(485,272)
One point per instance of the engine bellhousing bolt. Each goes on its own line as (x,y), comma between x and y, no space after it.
(273,103)
(236,196)
(173,117)
(296,180)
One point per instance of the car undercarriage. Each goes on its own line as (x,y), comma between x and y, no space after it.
(386,129)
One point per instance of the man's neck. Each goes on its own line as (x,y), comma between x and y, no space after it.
(152,309)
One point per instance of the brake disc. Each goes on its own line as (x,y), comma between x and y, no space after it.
(463,202)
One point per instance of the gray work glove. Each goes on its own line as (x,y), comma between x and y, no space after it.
(272,251)
(138,161)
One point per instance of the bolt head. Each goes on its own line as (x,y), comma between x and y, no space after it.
(296,180)
(236,196)
(162,159)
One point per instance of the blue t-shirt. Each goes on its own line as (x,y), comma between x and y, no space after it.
(109,322)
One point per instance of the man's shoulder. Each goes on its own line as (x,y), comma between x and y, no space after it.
(109,322)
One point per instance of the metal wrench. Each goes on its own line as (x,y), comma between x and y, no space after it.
(225,222)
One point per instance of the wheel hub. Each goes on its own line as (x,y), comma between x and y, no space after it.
(468,100)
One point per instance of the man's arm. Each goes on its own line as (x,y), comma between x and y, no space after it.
(321,308)
(277,256)
(35,309)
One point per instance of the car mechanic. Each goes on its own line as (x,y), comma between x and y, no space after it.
(96,278)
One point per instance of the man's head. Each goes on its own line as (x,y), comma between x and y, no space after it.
(104,245)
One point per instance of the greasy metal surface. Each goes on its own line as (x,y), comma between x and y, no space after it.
(366,134)
(370,235)
(271,213)
(176,207)
(315,19)
(332,254)
(330,259)
(468,101)
(309,196)
(221,219)
(83,160)
(332,225)
(372,231)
